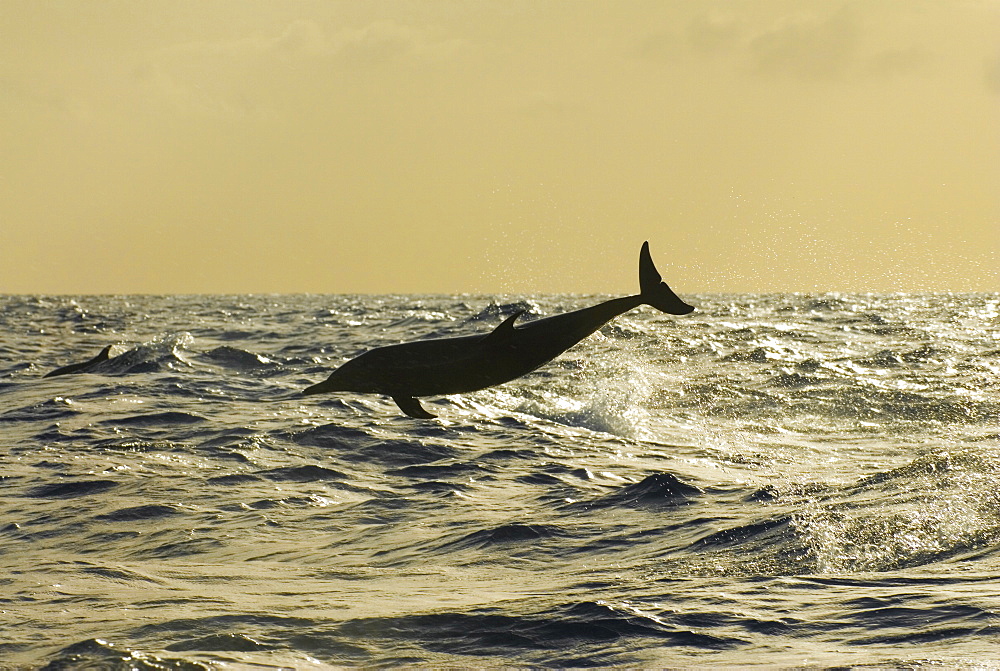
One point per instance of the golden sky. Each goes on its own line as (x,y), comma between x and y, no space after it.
(498,146)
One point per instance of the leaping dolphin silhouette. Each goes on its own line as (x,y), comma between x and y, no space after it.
(81,367)
(458,365)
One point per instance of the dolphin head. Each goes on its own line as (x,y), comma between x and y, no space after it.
(352,376)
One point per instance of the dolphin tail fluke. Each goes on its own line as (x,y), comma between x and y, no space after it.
(412,407)
(654,291)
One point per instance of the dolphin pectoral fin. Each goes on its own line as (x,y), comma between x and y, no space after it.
(412,407)
(504,333)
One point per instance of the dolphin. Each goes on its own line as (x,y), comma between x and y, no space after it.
(458,365)
(81,367)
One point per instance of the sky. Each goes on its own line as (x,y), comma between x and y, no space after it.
(498,146)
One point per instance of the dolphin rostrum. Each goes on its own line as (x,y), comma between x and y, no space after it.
(441,366)
(81,367)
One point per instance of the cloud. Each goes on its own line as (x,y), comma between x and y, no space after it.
(301,39)
(992,75)
(248,77)
(715,32)
(19,96)
(893,63)
(376,43)
(381,43)
(806,46)
(663,46)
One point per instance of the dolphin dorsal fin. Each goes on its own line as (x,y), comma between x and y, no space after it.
(504,333)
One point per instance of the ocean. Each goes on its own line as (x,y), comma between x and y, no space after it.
(774,480)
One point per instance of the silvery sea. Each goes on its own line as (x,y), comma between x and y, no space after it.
(774,480)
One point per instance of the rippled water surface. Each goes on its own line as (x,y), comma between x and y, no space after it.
(774,480)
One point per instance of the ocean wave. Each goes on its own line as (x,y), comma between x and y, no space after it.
(655,490)
(54,409)
(238,359)
(573,635)
(156,419)
(304,473)
(95,653)
(754,483)
(744,533)
(140,513)
(496,312)
(943,506)
(508,534)
(71,489)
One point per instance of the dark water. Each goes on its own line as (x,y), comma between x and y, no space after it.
(774,480)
